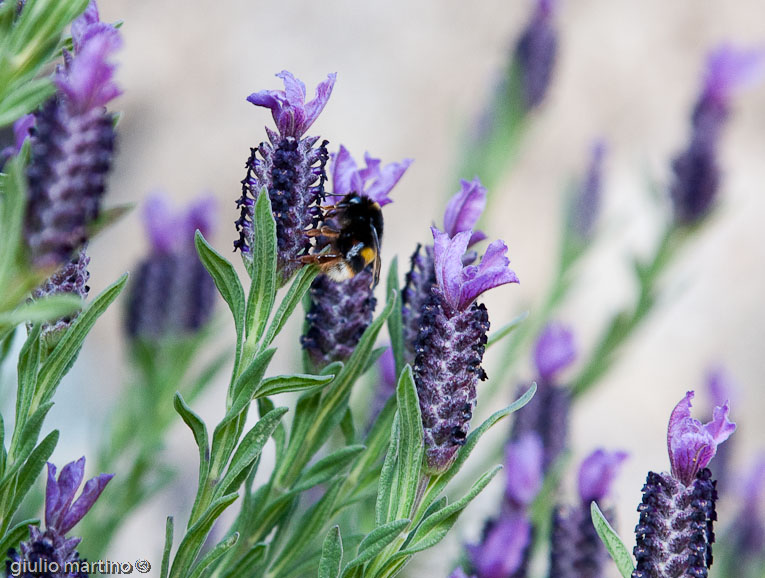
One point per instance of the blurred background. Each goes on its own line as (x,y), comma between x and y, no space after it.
(411,80)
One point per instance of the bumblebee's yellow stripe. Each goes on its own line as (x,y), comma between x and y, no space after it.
(368,254)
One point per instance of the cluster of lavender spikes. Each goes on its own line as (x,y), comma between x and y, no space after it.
(51,554)
(171,293)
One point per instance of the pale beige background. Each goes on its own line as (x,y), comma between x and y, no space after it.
(411,75)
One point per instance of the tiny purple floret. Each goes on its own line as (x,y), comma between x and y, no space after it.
(374,180)
(691,444)
(555,350)
(597,472)
(292,114)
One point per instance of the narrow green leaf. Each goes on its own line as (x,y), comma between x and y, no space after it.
(280,433)
(197,534)
(331,554)
(410,447)
(165,567)
(395,321)
(263,287)
(16,534)
(328,467)
(3,454)
(199,430)
(28,364)
(250,448)
(434,527)
(32,468)
(383,506)
(507,329)
(287,383)
(295,294)
(24,99)
(31,431)
(45,309)
(248,564)
(376,354)
(219,550)
(246,386)
(12,205)
(613,543)
(61,359)
(376,541)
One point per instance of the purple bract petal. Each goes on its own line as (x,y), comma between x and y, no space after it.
(555,350)
(730,69)
(597,472)
(465,208)
(461,284)
(200,214)
(84,502)
(374,180)
(69,480)
(21,129)
(171,230)
(292,115)
(502,550)
(690,443)
(523,464)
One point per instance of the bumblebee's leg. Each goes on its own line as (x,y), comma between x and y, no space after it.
(325,231)
(322,259)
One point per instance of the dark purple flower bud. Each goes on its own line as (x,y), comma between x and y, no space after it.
(292,115)
(71,278)
(374,181)
(72,149)
(555,350)
(696,169)
(523,467)
(597,473)
(535,54)
(465,209)
(691,444)
(674,535)
(503,551)
(586,205)
(451,342)
(291,169)
(339,314)
(171,293)
(51,549)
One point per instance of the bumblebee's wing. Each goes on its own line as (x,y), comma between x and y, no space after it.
(378,262)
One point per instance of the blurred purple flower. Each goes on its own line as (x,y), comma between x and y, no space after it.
(748,531)
(586,204)
(21,131)
(169,230)
(502,552)
(721,387)
(536,52)
(460,573)
(374,180)
(292,115)
(523,466)
(597,473)
(554,351)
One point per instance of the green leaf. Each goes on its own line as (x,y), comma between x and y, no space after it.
(199,430)
(196,536)
(168,546)
(28,364)
(383,505)
(438,483)
(108,217)
(16,534)
(328,467)
(52,307)
(61,359)
(250,448)
(228,284)
(246,386)
(612,542)
(30,431)
(32,468)
(435,526)
(287,383)
(219,550)
(375,542)
(395,320)
(295,294)
(12,205)
(263,273)
(331,554)
(410,447)
(248,564)
(507,329)
(24,99)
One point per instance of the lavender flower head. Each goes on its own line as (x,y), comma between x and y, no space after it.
(451,343)
(587,202)
(677,513)
(171,293)
(462,214)
(504,548)
(62,513)
(536,52)
(576,550)
(290,167)
(72,145)
(341,311)
(696,170)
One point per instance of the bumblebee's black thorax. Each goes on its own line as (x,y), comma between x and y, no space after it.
(357,216)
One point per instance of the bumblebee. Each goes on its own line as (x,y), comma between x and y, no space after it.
(352,229)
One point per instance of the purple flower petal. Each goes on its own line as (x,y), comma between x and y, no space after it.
(160,223)
(465,208)
(200,214)
(374,180)
(313,108)
(69,480)
(691,444)
(597,472)
(493,271)
(52,495)
(554,351)
(344,168)
(523,464)
(730,69)
(502,550)
(21,129)
(447,257)
(84,502)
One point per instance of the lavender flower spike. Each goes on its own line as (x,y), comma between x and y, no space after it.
(291,168)
(696,170)
(536,52)
(451,342)
(51,548)
(72,146)
(675,533)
